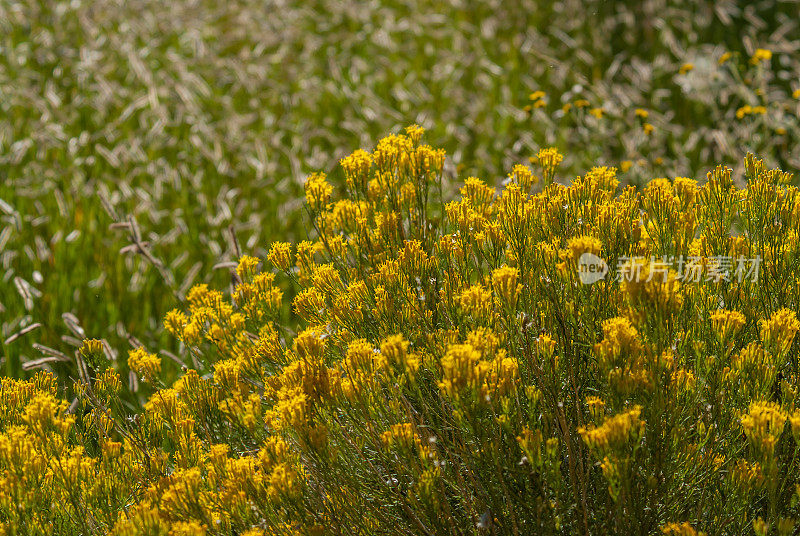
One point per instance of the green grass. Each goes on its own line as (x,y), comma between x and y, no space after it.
(195,119)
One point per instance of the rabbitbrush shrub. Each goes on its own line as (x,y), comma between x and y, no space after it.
(546,359)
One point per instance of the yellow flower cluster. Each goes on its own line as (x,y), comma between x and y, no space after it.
(143,363)
(726,324)
(615,432)
(764,425)
(760,55)
(442,365)
(777,332)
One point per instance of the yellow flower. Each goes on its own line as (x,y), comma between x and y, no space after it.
(763,426)
(642,113)
(546,346)
(778,332)
(476,301)
(191,333)
(460,369)
(174,322)
(760,527)
(743,111)
(326,278)
(284,481)
(530,441)
(796,94)
(746,476)
(794,420)
(246,268)
(761,54)
(318,191)
(583,244)
(648,128)
(522,175)
(724,58)
(108,383)
(596,408)
(536,95)
(309,344)
(620,340)
(143,363)
(45,411)
(187,528)
(310,305)
(395,349)
(602,177)
(597,112)
(685,68)
(726,324)
(615,432)
(280,255)
(650,290)
(400,435)
(415,132)
(504,283)
(92,351)
(684,380)
(549,159)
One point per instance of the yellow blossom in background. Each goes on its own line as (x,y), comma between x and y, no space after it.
(760,55)
(536,95)
(401,435)
(596,408)
(685,68)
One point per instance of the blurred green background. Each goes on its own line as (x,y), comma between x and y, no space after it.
(174,126)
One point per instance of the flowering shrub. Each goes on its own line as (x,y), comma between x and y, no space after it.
(454,371)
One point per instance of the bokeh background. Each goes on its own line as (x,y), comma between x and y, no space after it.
(144,145)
